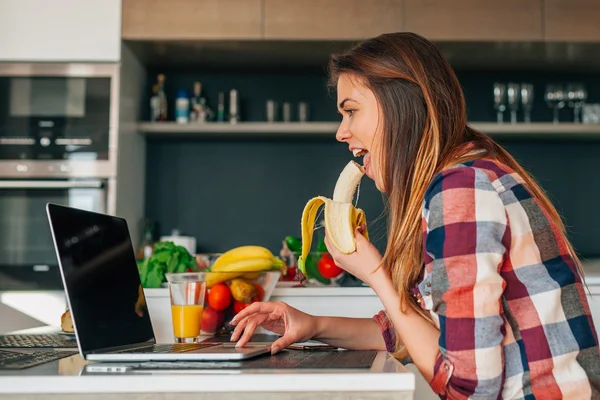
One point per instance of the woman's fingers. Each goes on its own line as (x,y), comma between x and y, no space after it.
(258,307)
(282,343)
(253,322)
(239,329)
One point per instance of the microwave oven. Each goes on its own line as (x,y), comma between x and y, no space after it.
(58,120)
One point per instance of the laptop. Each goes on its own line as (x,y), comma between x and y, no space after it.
(103,289)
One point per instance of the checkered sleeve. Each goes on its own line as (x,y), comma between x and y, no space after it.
(387,330)
(466,237)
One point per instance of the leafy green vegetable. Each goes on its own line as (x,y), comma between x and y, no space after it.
(166,258)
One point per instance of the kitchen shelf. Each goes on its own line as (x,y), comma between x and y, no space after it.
(327,129)
(242,129)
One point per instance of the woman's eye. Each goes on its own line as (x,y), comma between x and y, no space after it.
(349,112)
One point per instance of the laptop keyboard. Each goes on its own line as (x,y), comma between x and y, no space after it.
(171,348)
(16,360)
(41,341)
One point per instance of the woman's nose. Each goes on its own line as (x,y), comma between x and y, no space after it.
(343,134)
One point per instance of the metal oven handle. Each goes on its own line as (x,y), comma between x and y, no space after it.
(31,184)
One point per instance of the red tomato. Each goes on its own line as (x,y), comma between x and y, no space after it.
(212,320)
(327,267)
(260,293)
(290,274)
(239,306)
(259,296)
(219,297)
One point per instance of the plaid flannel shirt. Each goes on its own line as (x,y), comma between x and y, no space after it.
(508,300)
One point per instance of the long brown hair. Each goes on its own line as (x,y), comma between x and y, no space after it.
(424,131)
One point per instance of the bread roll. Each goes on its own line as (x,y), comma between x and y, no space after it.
(66,322)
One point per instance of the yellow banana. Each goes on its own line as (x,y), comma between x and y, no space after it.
(213,278)
(242,253)
(342,219)
(249,265)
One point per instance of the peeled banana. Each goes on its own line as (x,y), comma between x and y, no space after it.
(342,219)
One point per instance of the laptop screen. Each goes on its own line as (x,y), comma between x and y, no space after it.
(101,278)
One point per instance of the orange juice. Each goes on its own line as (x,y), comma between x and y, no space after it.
(187,320)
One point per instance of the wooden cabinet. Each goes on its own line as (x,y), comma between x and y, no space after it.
(440,20)
(470,20)
(572,20)
(331,19)
(60,30)
(192,19)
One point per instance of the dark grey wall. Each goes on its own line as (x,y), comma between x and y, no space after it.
(233,192)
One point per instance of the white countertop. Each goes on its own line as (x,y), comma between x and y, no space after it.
(69,376)
(294,291)
(591,269)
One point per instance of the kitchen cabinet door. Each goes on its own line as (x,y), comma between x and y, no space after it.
(471,20)
(60,30)
(572,20)
(192,19)
(331,19)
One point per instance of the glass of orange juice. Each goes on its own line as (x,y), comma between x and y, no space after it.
(187,304)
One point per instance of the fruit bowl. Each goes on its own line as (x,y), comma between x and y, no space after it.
(227,293)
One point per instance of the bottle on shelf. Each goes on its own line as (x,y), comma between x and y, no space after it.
(196,103)
(182,107)
(234,116)
(146,247)
(162,98)
(221,108)
(154,105)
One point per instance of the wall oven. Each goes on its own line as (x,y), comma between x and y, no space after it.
(27,256)
(58,142)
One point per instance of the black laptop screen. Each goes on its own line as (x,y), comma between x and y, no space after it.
(101,278)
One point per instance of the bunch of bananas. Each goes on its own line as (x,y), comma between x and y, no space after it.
(244,261)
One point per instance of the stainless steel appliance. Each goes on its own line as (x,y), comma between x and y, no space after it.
(58,120)
(58,143)
(27,257)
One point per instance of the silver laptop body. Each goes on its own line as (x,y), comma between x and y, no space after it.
(103,288)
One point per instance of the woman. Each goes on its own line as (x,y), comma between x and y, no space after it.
(480,285)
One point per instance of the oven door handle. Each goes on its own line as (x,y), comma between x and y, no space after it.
(38,184)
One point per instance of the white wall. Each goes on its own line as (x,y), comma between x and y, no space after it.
(60,30)
(131,158)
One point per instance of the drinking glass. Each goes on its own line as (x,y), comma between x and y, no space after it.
(500,101)
(555,97)
(527,100)
(187,305)
(513,101)
(576,94)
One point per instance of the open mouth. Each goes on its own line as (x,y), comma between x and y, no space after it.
(359,152)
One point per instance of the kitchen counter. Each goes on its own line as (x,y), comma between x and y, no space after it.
(68,379)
